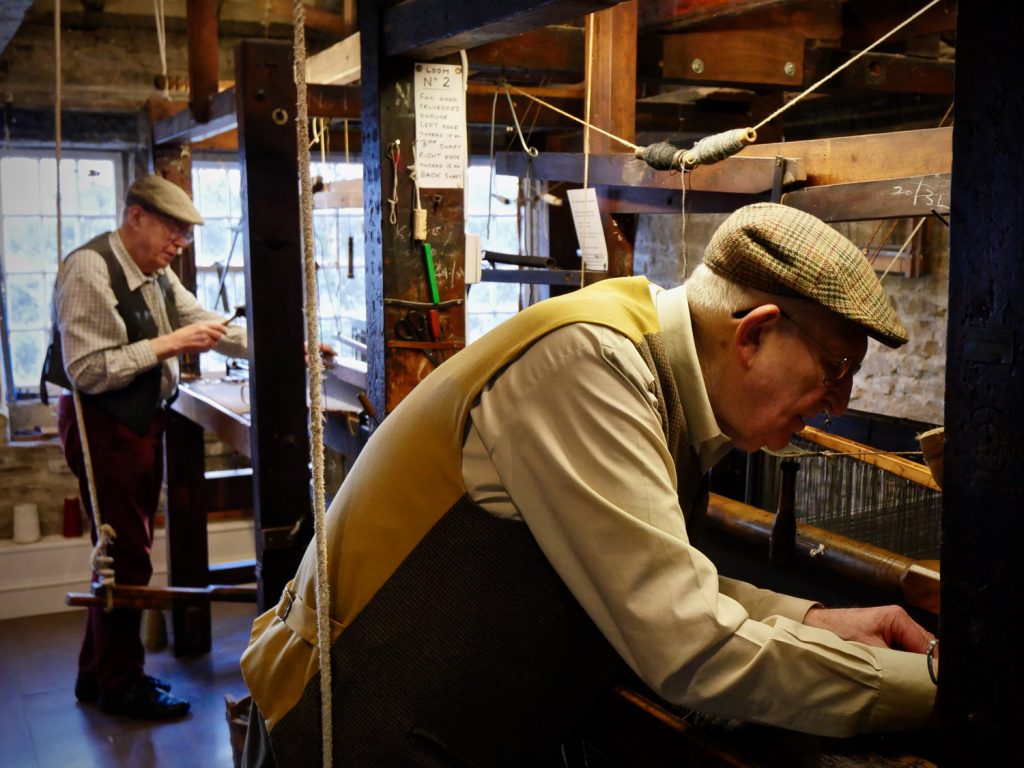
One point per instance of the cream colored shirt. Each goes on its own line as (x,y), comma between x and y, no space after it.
(569,440)
(97,355)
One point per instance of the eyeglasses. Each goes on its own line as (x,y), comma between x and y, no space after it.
(179,231)
(836,368)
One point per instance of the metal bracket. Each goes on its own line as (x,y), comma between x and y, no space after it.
(777,177)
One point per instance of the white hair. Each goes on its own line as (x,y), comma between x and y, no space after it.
(712,296)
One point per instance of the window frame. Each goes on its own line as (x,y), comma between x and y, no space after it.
(13,392)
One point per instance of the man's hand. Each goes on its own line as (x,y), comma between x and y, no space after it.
(197,337)
(327,354)
(886,626)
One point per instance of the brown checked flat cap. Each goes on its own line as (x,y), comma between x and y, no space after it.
(158,194)
(780,250)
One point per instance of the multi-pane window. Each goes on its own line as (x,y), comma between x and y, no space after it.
(220,251)
(90,191)
(492,213)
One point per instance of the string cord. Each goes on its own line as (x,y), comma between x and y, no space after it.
(563,113)
(316,406)
(161,42)
(586,148)
(102,564)
(531,151)
(843,66)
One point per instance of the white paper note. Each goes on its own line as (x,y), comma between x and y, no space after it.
(440,126)
(587,218)
(473,258)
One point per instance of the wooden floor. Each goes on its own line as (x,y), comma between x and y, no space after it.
(42,725)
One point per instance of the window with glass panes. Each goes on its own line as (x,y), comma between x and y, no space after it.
(220,250)
(492,213)
(90,192)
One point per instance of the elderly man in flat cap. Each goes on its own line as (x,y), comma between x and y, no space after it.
(519,533)
(121,319)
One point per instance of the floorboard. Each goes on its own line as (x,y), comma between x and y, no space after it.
(42,725)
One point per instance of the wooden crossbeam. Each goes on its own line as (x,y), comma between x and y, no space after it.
(427,29)
(884,199)
(736,175)
(128,596)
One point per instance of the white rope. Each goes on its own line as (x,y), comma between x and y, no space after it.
(316,407)
(903,247)
(101,563)
(841,67)
(586,147)
(161,41)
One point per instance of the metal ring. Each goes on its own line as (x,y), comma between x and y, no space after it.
(930,654)
(279,116)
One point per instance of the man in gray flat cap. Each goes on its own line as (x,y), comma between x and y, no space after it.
(121,318)
(519,533)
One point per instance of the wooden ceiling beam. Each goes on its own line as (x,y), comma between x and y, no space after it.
(427,29)
(867,20)
(665,15)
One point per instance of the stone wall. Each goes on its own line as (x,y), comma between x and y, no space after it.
(907,383)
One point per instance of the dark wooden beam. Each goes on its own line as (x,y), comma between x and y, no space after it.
(980,679)
(870,157)
(554,53)
(867,20)
(879,72)
(737,175)
(865,200)
(758,57)
(663,15)
(428,29)
(202,56)
(184,126)
(279,417)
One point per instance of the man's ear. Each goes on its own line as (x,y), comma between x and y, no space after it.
(750,331)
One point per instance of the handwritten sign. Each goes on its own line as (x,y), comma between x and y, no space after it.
(587,218)
(441,145)
(927,192)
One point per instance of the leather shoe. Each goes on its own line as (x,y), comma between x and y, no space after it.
(87,687)
(144,701)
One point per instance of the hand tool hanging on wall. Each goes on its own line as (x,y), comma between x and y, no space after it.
(419,234)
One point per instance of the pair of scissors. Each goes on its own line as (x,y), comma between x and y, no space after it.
(413,327)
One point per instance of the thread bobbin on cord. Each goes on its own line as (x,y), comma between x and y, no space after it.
(419,224)
(663,156)
(719,146)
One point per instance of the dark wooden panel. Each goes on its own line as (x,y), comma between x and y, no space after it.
(886,199)
(675,14)
(273,291)
(983,572)
(187,548)
(202,56)
(430,28)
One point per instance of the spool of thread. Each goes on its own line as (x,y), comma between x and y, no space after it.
(419,224)
(72,518)
(26,523)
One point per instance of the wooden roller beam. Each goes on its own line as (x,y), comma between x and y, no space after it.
(818,550)
(897,465)
(128,596)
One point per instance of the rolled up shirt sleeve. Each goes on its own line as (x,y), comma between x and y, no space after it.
(232,343)
(574,434)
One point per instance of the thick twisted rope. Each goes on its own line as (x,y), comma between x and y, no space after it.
(316,407)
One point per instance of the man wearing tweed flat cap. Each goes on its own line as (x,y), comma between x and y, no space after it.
(121,318)
(541,543)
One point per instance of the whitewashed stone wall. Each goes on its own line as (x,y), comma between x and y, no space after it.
(907,383)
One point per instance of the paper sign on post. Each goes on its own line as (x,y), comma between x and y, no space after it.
(440,126)
(587,218)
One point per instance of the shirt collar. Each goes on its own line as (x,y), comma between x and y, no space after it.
(677,333)
(132,274)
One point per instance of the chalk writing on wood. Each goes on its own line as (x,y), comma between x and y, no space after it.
(927,192)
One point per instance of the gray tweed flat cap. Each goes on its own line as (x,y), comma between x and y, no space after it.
(166,197)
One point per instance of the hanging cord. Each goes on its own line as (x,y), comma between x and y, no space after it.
(419,213)
(316,407)
(531,151)
(102,564)
(491,174)
(664,156)
(903,247)
(586,146)
(841,67)
(161,41)
(394,152)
